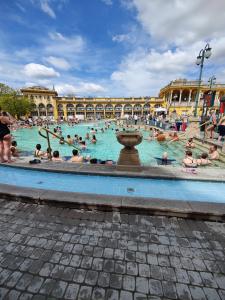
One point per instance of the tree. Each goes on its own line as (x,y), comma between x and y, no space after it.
(14,103)
(5,89)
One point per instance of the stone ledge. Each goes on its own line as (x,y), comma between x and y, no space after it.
(175,208)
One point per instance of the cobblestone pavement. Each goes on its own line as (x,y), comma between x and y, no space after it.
(55,253)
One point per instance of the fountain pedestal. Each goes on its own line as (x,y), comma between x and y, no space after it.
(129,157)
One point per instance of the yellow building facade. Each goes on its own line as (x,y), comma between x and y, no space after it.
(47,103)
(180,95)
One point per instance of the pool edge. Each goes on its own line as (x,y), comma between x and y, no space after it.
(154,206)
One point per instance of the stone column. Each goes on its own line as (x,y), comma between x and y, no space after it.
(181,91)
(65,111)
(189,96)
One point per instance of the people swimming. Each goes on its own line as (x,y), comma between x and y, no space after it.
(56,157)
(93,140)
(213,153)
(204,160)
(62,141)
(69,139)
(14,150)
(190,143)
(189,161)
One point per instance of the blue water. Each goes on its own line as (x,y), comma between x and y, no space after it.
(106,148)
(118,186)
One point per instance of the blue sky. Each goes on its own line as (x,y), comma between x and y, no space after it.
(108,47)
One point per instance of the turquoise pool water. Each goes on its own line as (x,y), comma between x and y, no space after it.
(106,148)
(118,186)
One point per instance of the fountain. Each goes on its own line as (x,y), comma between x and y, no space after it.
(129,158)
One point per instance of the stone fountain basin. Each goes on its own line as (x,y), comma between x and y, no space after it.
(129,138)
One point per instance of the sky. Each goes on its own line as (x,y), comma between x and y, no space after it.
(109,48)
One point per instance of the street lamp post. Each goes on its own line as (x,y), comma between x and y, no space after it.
(204,53)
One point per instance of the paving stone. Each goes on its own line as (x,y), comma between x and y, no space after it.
(169,274)
(144,270)
(108,265)
(195,278)
(152,259)
(208,280)
(142,285)
(156,272)
(97,264)
(46,269)
(220,280)
(72,291)
(25,296)
(211,294)
(182,276)
(91,277)
(13,278)
(126,295)
(129,283)
(103,279)
(155,287)
(12,295)
(98,251)
(75,261)
(163,260)
(59,289)
(24,281)
(115,281)
(120,267)
(169,289)
(3,292)
(119,254)
(57,271)
(86,262)
(35,284)
(139,296)
(85,293)
(183,291)
(98,294)
(132,268)
(112,294)
(79,275)
(197,293)
(47,286)
(68,273)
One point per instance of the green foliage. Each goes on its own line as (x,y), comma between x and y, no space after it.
(14,103)
(5,89)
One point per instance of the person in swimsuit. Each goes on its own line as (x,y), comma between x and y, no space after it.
(189,161)
(5,138)
(221,128)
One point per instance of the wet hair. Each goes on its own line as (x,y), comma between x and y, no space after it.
(38,146)
(80,138)
(68,136)
(94,137)
(189,153)
(48,150)
(75,152)
(93,161)
(14,143)
(204,155)
(83,143)
(190,140)
(56,154)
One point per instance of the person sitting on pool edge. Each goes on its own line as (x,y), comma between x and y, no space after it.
(213,153)
(76,158)
(56,157)
(203,160)
(14,150)
(38,152)
(189,161)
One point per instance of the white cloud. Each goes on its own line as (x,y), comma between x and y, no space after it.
(39,71)
(181,22)
(45,7)
(64,46)
(58,62)
(82,88)
(107,2)
(120,38)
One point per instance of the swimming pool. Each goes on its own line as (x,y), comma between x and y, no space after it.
(106,148)
(118,186)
